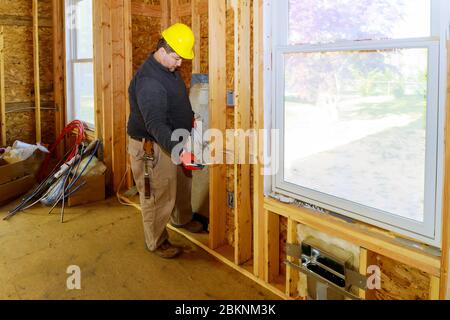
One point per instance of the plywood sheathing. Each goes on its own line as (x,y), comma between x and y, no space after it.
(204,38)
(19,78)
(398,281)
(145,36)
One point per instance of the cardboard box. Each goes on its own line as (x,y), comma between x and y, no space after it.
(18,178)
(93,191)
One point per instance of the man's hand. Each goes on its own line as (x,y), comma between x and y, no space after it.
(188,161)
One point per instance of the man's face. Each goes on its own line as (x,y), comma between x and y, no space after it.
(171,61)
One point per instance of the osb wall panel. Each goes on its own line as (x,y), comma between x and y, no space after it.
(399,281)
(204,43)
(145,36)
(20,126)
(46,63)
(15,7)
(19,78)
(19,74)
(186,67)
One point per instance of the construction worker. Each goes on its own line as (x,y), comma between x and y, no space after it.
(159,106)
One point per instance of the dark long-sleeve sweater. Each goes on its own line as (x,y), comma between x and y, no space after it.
(159,104)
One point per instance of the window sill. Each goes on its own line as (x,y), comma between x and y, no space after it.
(371,238)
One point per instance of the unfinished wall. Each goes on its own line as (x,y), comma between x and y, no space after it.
(16,18)
(399,281)
(145,36)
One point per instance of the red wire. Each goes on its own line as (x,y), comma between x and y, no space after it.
(76,124)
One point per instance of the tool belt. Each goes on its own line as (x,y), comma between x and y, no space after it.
(149,156)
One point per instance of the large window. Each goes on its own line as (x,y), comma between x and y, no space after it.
(359,94)
(79,61)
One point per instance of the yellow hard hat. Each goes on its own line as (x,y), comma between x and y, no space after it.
(181,39)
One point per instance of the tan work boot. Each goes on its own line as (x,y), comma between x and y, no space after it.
(192,226)
(167,250)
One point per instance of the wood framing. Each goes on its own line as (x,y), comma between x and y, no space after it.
(292,275)
(2,89)
(271,246)
(242,197)
(165,14)
(355,234)
(37,89)
(142,9)
(196,29)
(445,260)
(58,70)
(258,124)
(362,269)
(217,120)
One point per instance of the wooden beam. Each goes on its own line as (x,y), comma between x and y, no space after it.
(119,88)
(272,246)
(445,259)
(362,269)
(105,87)
(129,75)
(148,10)
(202,6)
(292,274)
(258,124)
(37,90)
(2,89)
(13,20)
(356,234)
(196,30)
(165,14)
(242,197)
(58,70)
(434,288)
(173,11)
(217,119)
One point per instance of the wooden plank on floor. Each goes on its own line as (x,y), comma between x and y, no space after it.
(217,120)
(2,89)
(37,89)
(272,246)
(242,197)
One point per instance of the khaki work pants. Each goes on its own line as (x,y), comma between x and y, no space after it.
(170,192)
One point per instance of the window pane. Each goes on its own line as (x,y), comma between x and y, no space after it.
(355,125)
(83,25)
(84,92)
(322,21)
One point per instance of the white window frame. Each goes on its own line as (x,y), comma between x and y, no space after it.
(71,60)
(276,44)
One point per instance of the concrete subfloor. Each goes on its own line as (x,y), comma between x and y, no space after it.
(106,241)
